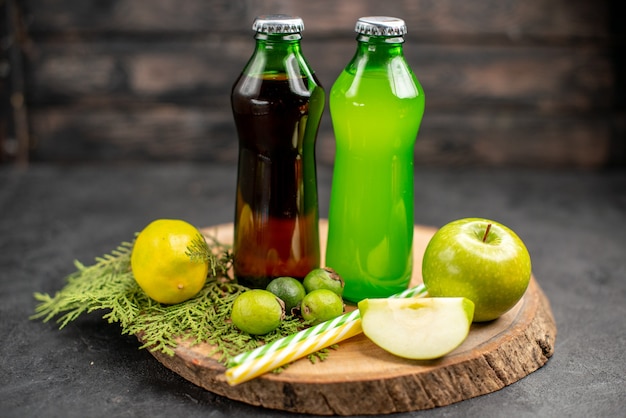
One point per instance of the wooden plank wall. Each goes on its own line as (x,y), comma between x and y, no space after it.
(528,83)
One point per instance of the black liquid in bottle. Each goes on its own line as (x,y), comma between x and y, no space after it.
(277,104)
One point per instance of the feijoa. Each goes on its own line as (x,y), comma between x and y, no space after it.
(324,278)
(257,312)
(321,305)
(289,290)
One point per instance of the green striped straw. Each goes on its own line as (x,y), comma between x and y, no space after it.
(419,290)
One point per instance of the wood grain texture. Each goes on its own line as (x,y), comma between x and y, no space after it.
(550,79)
(165,132)
(501,78)
(514,18)
(494,355)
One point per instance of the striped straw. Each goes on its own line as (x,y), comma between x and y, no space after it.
(257,366)
(315,330)
(262,359)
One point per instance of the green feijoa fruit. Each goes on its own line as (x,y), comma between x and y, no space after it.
(289,290)
(257,312)
(324,278)
(321,305)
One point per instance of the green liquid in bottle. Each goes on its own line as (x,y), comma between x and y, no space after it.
(376,114)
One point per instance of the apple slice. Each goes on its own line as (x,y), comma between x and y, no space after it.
(417,328)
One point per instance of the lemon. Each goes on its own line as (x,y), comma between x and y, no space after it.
(160,264)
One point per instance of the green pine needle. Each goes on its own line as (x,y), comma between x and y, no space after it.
(109,286)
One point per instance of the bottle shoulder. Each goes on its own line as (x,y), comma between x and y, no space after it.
(378,81)
(279,66)
(378,60)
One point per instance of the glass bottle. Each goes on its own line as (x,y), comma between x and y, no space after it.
(277,104)
(376,107)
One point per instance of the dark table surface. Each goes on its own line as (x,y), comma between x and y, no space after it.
(572,222)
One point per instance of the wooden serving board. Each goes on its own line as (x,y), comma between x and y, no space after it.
(359,378)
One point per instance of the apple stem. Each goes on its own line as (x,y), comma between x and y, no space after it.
(486,232)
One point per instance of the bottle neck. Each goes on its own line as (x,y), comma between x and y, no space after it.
(276,54)
(278,44)
(278,37)
(383,46)
(375,53)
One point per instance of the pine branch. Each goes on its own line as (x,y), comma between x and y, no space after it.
(108,285)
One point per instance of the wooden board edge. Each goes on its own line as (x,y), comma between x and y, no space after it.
(510,359)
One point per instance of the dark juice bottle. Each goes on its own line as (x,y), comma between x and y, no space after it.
(277,105)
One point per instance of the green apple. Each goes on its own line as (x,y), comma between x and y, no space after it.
(478,259)
(417,328)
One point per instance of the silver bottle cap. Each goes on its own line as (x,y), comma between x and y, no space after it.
(278,24)
(380,26)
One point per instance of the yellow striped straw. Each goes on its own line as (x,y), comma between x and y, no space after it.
(260,365)
(254,363)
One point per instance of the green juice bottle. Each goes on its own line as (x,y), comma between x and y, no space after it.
(376,107)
